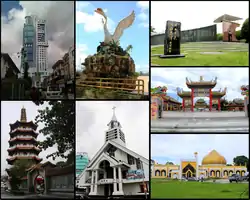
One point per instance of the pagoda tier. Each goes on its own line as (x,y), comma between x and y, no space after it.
(23,143)
(201,83)
(215,94)
(34,158)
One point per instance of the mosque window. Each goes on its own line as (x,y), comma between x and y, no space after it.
(131,160)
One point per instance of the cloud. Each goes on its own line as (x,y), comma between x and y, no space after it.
(92,119)
(174,147)
(59,16)
(91,22)
(190,16)
(81,54)
(144,13)
(176,77)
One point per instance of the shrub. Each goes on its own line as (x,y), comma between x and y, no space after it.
(238,35)
(219,36)
(245,30)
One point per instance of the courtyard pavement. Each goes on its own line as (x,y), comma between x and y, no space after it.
(201,122)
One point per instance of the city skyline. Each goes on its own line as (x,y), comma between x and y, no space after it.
(59,17)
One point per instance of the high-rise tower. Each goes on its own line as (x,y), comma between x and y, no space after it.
(35,45)
(114,133)
(23,143)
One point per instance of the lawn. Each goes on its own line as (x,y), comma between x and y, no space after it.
(235,54)
(176,189)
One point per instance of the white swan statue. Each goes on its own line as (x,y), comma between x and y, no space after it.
(123,24)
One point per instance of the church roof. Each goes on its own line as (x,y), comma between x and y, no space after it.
(123,148)
(226,17)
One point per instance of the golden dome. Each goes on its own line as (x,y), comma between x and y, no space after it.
(214,158)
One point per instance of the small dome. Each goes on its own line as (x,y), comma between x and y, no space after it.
(214,158)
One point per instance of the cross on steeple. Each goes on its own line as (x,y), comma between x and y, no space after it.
(114,109)
(114,117)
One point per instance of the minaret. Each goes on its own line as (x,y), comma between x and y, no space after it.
(114,133)
(197,165)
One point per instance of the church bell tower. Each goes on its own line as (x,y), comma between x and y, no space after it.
(114,132)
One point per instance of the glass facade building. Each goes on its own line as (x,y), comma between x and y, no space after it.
(82,161)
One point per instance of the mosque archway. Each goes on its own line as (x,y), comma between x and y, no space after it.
(243,173)
(238,172)
(169,173)
(231,172)
(212,173)
(157,172)
(163,173)
(217,173)
(225,173)
(189,170)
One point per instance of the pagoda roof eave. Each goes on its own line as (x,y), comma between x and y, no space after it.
(24,148)
(22,139)
(19,122)
(188,94)
(200,85)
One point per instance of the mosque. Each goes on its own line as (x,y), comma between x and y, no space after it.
(213,165)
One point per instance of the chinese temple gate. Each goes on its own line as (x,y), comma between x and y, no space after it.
(201,88)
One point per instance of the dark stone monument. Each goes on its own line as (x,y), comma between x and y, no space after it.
(172,41)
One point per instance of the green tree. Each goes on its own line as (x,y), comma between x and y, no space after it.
(240,160)
(152,29)
(60,164)
(17,171)
(26,76)
(223,104)
(10,73)
(229,164)
(59,121)
(169,163)
(238,35)
(245,30)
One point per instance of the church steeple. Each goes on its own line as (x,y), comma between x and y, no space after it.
(23,115)
(114,133)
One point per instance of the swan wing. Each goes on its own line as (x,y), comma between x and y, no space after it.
(123,24)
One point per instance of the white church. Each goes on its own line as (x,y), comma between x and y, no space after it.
(115,170)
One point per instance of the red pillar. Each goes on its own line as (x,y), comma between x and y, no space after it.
(210,99)
(183,104)
(192,100)
(219,104)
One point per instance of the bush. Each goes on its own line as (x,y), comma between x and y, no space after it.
(245,30)
(219,36)
(238,35)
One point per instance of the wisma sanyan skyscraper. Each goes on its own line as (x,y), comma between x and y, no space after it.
(35,46)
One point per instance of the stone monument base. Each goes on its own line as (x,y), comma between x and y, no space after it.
(172,56)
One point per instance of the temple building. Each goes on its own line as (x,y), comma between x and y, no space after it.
(201,88)
(171,104)
(213,165)
(235,105)
(115,170)
(23,143)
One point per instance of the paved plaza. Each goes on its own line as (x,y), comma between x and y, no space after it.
(201,122)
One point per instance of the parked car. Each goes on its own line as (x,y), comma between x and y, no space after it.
(234,177)
(54,93)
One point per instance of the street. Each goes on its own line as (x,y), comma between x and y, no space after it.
(201,122)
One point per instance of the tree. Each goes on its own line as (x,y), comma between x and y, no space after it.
(9,73)
(152,29)
(229,165)
(26,75)
(245,30)
(60,164)
(17,171)
(223,104)
(169,163)
(59,121)
(240,160)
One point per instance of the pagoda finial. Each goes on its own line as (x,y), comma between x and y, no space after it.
(23,115)
(114,117)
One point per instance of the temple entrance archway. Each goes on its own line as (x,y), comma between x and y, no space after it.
(39,184)
(157,172)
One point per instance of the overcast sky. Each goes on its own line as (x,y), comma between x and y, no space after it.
(60,26)
(10,113)
(193,14)
(92,118)
(174,147)
(232,78)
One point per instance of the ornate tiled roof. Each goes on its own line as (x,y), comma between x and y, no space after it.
(211,83)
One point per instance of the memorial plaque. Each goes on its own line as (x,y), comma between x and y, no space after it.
(172,41)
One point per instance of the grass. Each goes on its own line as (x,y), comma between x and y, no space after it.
(230,57)
(176,189)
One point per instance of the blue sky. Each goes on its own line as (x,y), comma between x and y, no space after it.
(89,29)
(175,147)
(8,5)
(176,77)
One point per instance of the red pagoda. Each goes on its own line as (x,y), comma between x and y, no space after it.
(23,143)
